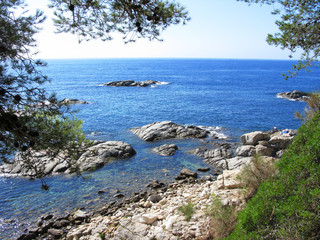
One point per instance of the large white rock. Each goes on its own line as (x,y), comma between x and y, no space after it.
(254,137)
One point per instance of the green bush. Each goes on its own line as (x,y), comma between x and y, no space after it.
(287,206)
(187,210)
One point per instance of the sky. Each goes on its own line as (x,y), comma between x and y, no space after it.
(218,29)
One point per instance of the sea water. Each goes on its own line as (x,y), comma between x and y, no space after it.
(229,97)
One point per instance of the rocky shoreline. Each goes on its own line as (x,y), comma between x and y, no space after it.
(155,214)
(93,158)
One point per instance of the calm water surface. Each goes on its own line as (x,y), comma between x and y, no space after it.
(237,96)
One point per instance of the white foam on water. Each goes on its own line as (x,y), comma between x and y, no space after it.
(162,83)
(218,132)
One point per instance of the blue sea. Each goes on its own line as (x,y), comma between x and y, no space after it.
(232,97)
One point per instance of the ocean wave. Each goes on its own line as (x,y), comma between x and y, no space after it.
(218,132)
(162,83)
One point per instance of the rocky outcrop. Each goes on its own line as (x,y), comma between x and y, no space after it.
(167,130)
(294,95)
(97,156)
(166,149)
(131,83)
(268,144)
(69,101)
(94,157)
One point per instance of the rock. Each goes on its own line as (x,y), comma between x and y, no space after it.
(264,151)
(168,130)
(68,101)
(56,233)
(61,223)
(131,231)
(254,137)
(61,167)
(155,184)
(245,151)
(188,173)
(230,179)
(100,154)
(166,149)
(131,83)
(203,169)
(282,139)
(217,162)
(295,95)
(155,198)
(148,219)
(119,195)
(80,215)
(237,162)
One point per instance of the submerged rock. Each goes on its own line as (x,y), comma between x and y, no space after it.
(167,130)
(295,95)
(166,149)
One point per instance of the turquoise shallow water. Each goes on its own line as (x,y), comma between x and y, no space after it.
(236,95)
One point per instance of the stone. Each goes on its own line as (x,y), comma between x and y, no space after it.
(205,169)
(254,137)
(166,149)
(188,173)
(155,184)
(245,151)
(80,215)
(237,162)
(61,167)
(264,151)
(155,198)
(119,195)
(56,233)
(148,219)
(168,130)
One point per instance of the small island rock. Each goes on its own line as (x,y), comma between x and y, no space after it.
(295,95)
(131,83)
(168,130)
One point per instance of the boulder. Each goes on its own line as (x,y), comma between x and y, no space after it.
(264,151)
(188,173)
(168,130)
(254,137)
(237,162)
(245,151)
(100,154)
(166,149)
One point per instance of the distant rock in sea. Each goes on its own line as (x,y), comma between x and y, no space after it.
(168,130)
(69,101)
(131,83)
(295,95)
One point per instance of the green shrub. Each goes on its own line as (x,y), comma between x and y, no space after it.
(187,210)
(223,218)
(288,205)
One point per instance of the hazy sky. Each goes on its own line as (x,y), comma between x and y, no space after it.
(218,29)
